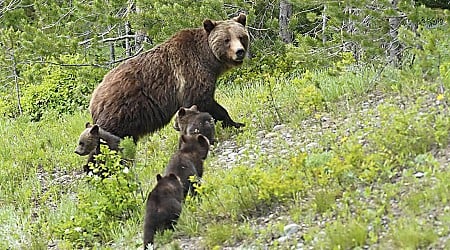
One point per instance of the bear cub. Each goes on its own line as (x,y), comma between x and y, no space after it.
(163,206)
(188,160)
(90,140)
(190,121)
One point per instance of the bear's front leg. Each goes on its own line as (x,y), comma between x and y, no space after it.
(220,113)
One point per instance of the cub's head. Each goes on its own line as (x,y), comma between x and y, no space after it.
(190,121)
(169,185)
(228,39)
(89,140)
(183,115)
(197,145)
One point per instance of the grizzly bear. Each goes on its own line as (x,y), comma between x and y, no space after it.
(163,206)
(190,121)
(142,94)
(188,160)
(90,140)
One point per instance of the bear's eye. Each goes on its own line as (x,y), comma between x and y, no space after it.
(81,143)
(227,40)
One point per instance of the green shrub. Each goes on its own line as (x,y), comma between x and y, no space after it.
(58,88)
(104,205)
(346,235)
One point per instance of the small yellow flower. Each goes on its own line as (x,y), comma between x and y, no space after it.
(440,97)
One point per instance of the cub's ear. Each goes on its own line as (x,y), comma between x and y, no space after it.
(173,176)
(183,138)
(203,141)
(181,112)
(176,126)
(208,25)
(158,177)
(94,129)
(242,19)
(193,108)
(87,125)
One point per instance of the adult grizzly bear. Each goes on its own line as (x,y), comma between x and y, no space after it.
(142,94)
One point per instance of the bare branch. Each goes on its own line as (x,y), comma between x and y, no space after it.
(106,65)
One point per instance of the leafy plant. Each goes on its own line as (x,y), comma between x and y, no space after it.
(105,203)
(60,89)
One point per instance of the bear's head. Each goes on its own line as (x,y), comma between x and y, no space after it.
(228,39)
(89,140)
(169,185)
(196,145)
(190,121)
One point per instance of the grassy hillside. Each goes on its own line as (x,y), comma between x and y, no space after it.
(349,159)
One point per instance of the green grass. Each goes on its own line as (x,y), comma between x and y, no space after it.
(356,187)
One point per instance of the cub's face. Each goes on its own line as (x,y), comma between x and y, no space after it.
(88,140)
(228,39)
(190,121)
(182,117)
(202,123)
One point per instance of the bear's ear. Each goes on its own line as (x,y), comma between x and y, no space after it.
(158,177)
(242,19)
(94,130)
(87,125)
(203,141)
(208,25)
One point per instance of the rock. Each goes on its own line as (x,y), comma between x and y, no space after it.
(291,229)
(312,145)
(260,134)
(271,135)
(419,174)
(279,127)
(283,238)
(232,156)
(284,152)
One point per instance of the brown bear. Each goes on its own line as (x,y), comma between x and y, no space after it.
(142,94)
(188,160)
(190,121)
(163,206)
(90,140)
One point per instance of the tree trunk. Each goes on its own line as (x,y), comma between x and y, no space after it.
(112,52)
(395,47)
(16,80)
(324,24)
(127,39)
(141,36)
(285,15)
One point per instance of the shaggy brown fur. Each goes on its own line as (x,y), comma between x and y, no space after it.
(190,121)
(188,160)
(163,206)
(90,140)
(142,94)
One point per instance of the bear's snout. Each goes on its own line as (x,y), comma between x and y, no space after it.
(240,54)
(80,153)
